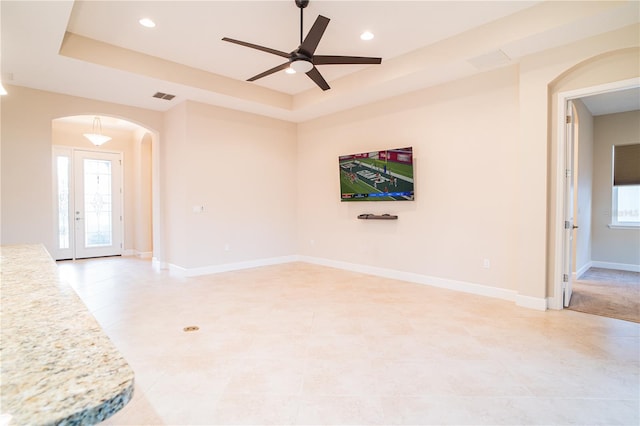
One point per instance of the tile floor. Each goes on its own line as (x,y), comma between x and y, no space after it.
(305,344)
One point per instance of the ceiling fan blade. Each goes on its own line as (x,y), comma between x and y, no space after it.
(271,71)
(317,78)
(344,60)
(312,39)
(255,46)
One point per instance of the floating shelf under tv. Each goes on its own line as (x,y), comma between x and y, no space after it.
(378,216)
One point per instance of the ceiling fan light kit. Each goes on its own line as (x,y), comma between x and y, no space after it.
(304,59)
(301,66)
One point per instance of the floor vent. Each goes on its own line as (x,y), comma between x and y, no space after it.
(166,96)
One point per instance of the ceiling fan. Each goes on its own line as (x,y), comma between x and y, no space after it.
(303,58)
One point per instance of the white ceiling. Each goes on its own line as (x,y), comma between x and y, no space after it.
(97,49)
(190,33)
(613,102)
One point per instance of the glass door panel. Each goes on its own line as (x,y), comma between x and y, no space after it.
(63,203)
(63,173)
(98,214)
(98,220)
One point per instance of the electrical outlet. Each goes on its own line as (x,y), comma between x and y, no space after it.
(227,247)
(486,263)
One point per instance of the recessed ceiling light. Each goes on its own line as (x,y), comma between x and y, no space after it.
(146,22)
(367,35)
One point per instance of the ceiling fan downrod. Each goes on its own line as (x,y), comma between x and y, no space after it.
(301,4)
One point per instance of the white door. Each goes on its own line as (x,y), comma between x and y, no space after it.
(88,194)
(568,205)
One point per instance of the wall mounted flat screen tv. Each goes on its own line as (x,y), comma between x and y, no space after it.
(377,176)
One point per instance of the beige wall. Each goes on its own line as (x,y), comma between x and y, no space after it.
(464,137)
(583,186)
(617,246)
(27,138)
(242,169)
(174,183)
(143,191)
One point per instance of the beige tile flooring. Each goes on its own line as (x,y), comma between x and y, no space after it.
(305,344)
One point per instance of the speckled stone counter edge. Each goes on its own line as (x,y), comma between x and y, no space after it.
(58,366)
(99,413)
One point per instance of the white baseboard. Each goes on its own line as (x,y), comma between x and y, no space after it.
(463,286)
(176,270)
(216,269)
(157,264)
(580,272)
(555,303)
(537,303)
(619,266)
(140,254)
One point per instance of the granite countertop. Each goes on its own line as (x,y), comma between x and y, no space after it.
(57,365)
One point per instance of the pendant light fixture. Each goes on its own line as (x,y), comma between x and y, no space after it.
(96,137)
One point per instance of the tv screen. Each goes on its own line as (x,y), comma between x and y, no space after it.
(377,176)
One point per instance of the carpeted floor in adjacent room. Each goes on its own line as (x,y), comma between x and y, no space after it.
(608,293)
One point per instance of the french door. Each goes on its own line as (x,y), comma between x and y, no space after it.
(88,203)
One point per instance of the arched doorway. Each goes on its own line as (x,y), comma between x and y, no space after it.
(102,194)
(566,158)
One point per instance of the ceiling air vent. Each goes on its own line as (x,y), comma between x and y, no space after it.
(165,96)
(490,60)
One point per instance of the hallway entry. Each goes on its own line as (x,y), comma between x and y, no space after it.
(591,123)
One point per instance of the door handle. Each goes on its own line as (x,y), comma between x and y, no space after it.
(575,226)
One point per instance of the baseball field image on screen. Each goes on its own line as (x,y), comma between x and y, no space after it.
(377,176)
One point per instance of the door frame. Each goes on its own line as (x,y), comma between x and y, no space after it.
(559,236)
(116,248)
(71,221)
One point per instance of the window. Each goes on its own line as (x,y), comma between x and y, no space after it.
(626,185)
(62,187)
(626,205)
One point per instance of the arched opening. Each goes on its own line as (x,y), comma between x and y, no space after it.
(609,75)
(103,195)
